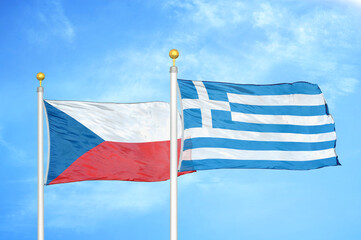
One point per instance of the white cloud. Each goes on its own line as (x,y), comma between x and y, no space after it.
(211,13)
(85,204)
(338,87)
(348,85)
(52,22)
(267,16)
(134,75)
(313,44)
(353,2)
(13,151)
(220,186)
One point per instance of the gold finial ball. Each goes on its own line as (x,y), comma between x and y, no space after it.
(40,76)
(173,53)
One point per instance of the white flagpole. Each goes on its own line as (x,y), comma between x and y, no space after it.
(173,148)
(40,76)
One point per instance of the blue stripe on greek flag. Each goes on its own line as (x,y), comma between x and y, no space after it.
(223,119)
(206,142)
(280,110)
(254,164)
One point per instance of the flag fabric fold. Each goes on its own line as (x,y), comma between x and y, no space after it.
(108,141)
(279,126)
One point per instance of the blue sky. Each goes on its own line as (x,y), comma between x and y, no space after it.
(118,51)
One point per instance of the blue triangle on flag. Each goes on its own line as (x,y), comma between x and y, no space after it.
(69,141)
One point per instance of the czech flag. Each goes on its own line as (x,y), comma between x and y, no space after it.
(108,141)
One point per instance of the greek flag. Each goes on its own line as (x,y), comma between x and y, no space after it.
(278,126)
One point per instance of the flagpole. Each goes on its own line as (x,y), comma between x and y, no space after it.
(40,76)
(173,148)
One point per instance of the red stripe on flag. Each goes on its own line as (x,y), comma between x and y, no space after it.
(140,162)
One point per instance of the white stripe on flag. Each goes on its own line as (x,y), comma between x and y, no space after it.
(234,154)
(258,136)
(278,100)
(205,112)
(205,104)
(282,119)
(136,122)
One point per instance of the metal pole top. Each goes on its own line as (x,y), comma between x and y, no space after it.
(40,76)
(173,54)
